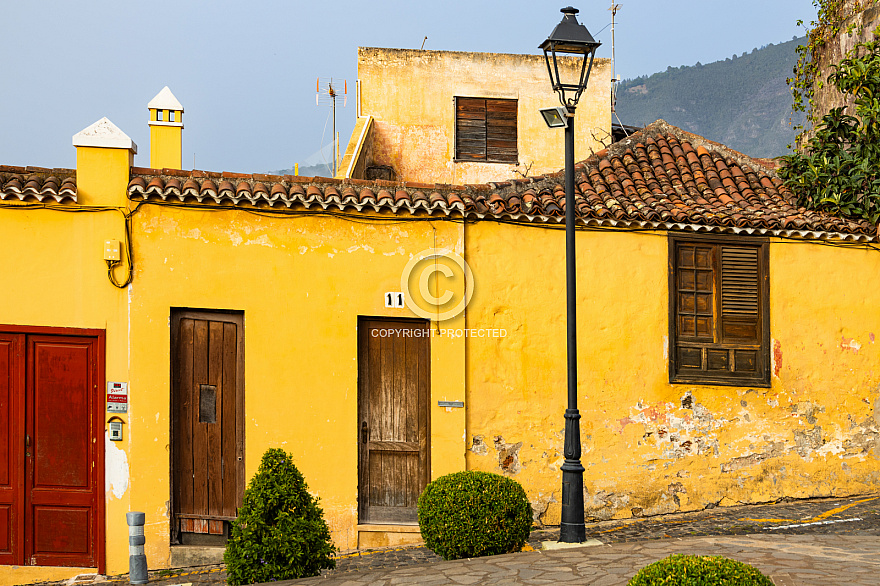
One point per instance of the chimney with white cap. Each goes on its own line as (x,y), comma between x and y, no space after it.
(166,130)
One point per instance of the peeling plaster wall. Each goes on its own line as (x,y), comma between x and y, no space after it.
(411,96)
(650,447)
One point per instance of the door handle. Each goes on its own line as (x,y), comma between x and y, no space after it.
(365,432)
(27,445)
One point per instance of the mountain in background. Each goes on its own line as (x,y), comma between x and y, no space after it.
(742,102)
(319,170)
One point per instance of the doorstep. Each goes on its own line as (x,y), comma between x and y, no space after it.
(185,556)
(373,536)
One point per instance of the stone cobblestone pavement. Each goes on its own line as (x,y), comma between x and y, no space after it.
(817,541)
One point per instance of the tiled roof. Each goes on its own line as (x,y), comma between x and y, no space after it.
(660,178)
(25,183)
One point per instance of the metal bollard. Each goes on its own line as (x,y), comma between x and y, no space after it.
(137,560)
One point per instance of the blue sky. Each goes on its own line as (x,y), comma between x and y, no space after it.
(245,71)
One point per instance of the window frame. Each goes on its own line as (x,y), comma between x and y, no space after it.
(762,379)
(457,158)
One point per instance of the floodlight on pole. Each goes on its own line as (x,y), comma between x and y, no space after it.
(555,117)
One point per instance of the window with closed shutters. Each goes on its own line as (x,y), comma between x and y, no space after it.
(719,328)
(485,130)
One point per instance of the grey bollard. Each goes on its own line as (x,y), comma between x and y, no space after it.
(137,560)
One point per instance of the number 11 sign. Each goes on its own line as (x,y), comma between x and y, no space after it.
(394,300)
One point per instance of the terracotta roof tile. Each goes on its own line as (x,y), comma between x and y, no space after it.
(37,183)
(659,178)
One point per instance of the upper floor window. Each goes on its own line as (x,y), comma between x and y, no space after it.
(485,130)
(718,311)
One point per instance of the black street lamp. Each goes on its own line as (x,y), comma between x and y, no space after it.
(570,38)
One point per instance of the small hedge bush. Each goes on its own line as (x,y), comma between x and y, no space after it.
(692,570)
(280,533)
(472,514)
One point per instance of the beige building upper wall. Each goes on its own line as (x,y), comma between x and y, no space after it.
(411,95)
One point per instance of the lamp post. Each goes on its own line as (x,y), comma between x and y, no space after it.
(570,38)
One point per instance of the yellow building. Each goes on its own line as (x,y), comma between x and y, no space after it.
(461,118)
(386,334)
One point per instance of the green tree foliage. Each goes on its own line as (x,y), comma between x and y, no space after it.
(839,169)
(472,514)
(742,102)
(280,533)
(691,570)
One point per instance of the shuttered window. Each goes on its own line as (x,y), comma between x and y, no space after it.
(485,130)
(718,312)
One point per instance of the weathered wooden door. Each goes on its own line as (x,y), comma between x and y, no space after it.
(393,436)
(207,375)
(51,451)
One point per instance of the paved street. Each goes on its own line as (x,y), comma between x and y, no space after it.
(788,560)
(819,541)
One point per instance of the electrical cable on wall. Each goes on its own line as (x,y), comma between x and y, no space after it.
(127,244)
(363,219)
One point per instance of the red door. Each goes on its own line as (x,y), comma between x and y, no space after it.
(51,401)
(11,449)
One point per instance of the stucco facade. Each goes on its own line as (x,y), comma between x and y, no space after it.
(651,447)
(409,96)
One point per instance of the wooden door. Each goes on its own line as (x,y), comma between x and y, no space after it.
(63,428)
(207,420)
(51,447)
(12,448)
(393,435)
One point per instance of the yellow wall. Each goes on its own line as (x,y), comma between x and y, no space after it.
(301,283)
(813,433)
(55,275)
(411,95)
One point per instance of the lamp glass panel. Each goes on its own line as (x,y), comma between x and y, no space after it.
(570,67)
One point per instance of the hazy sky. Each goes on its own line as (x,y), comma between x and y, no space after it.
(245,71)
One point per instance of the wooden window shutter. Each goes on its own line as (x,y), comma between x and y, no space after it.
(740,286)
(485,130)
(718,312)
(470,129)
(501,131)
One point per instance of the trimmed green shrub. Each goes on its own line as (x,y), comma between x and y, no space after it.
(280,533)
(472,514)
(693,570)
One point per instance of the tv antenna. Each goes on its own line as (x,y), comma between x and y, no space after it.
(327,95)
(614,81)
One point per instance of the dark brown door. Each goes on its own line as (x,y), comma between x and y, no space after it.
(51,451)
(207,419)
(394,387)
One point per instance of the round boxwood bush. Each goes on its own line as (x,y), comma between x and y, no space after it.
(280,533)
(693,570)
(472,514)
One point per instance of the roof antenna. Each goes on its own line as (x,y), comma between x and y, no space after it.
(423,43)
(328,95)
(614,80)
